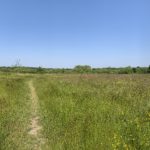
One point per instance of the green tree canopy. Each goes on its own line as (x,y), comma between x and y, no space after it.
(83,68)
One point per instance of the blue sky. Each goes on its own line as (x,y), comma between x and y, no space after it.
(65,33)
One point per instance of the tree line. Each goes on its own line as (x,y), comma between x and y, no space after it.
(77,69)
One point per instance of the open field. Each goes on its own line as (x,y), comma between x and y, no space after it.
(74,112)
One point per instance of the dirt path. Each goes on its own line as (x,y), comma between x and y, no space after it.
(35,126)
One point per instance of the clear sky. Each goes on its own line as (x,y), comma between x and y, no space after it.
(65,33)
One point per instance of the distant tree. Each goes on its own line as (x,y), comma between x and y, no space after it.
(17,63)
(138,69)
(148,69)
(142,69)
(40,70)
(128,70)
(82,68)
(134,70)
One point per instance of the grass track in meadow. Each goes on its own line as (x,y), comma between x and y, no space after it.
(77,112)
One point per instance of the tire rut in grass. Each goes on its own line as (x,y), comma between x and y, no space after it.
(35,126)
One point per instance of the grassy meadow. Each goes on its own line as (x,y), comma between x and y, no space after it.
(14,113)
(77,112)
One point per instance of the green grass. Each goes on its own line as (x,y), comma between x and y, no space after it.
(95,112)
(14,113)
(77,112)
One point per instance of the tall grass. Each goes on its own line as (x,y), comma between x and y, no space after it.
(78,112)
(14,112)
(95,111)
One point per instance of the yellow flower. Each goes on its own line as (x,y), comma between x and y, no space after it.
(125,146)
